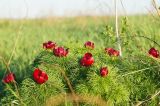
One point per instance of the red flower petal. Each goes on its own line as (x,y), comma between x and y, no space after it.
(40,80)
(88,55)
(43,74)
(46,77)
(9,78)
(40,76)
(112,52)
(104,71)
(89,44)
(115,53)
(49,45)
(153,52)
(87,60)
(36,74)
(60,52)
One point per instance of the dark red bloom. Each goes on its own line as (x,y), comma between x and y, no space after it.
(89,45)
(49,45)
(9,78)
(112,52)
(87,60)
(104,71)
(60,52)
(40,76)
(153,52)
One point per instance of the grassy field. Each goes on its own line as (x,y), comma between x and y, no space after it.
(24,39)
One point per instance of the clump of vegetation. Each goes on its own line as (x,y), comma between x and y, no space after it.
(85,73)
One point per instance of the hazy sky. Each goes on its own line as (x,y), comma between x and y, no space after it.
(39,8)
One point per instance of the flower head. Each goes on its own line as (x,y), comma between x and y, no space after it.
(153,52)
(87,60)
(104,71)
(49,45)
(9,78)
(60,52)
(89,45)
(40,76)
(112,52)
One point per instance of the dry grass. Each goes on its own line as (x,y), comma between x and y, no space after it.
(63,98)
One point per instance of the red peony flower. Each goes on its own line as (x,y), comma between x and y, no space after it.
(49,45)
(104,71)
(89,45)
(153,52)
(60,52)
(40,76)
(9,78)
(87,60)
(112,52)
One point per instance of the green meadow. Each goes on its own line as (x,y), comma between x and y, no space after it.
(21,43)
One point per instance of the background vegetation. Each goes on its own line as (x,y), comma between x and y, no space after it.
(138,34)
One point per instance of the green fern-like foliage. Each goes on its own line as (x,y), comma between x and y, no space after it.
(86,80)
(130,79)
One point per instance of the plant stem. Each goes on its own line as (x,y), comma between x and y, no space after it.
(156,7)
(117,31)
(151,98)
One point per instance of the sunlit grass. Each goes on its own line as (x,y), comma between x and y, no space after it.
(73,32)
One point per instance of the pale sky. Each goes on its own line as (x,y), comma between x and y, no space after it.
(40,8)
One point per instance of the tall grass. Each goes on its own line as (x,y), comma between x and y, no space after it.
(142,33)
